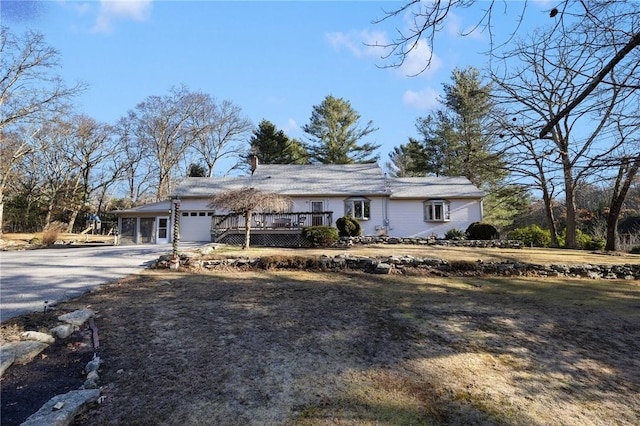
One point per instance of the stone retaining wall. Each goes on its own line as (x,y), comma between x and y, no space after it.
(397,264)
(350,241)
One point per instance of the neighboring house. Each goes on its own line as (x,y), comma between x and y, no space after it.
(403,207)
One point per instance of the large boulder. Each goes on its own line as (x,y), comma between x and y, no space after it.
(62,409)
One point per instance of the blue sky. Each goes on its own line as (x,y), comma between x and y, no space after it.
(275,60)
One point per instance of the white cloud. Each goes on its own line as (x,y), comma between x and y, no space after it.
(360,43)
(426,98)
(416,62)
(111,10)
(543,3)
(291,126)
(454,28)
(372,44)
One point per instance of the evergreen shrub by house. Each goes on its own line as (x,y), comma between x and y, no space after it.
(320,236)
(348,227)
(482,231)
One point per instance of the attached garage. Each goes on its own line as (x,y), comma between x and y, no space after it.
(195,226)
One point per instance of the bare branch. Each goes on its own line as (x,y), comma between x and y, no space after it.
(619,56)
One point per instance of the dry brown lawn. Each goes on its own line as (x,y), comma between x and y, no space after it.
(314,348)
(310,348)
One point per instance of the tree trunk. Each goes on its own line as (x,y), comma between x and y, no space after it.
(548,206)
(570,238)
(72,219)
(570,204)
(247,229)
(2,186)
(47,218)
(612,231)
(1,215)
(626,175)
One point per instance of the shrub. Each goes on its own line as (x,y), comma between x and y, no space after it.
(635,250)
(583,241)
(532,236)
(482,231)
(51,232)
(595,243)
(348,227)
(320,236)
(454,234)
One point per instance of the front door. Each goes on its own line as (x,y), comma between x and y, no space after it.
(163,230)
(317,219)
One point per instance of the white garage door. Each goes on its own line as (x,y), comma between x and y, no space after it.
(195,226)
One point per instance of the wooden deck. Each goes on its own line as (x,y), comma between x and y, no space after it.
(295,220)
(267,229)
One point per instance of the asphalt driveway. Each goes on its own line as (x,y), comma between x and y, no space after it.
(29,278)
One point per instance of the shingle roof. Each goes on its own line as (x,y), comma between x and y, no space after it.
(331,179)
(434,187)
(292,180)
(159,207)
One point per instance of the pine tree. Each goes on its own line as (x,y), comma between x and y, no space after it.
(408,160)
(335,134)
(273,146)
(457,140)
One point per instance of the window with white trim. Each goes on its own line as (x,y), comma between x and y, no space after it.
(358,208)
(437,211)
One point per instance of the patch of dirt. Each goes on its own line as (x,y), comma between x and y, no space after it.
(57,370)
(306,348)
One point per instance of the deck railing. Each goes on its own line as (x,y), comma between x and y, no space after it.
(293,220)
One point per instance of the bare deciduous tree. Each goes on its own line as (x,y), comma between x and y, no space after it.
(130,161)
(622,170)
(551,73)
(221,129)
(55,169)
(246,201)
(88,148)
(614,25)
(30,93)
(529,160)
(162,126)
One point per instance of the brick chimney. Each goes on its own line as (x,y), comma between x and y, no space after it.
(254,162)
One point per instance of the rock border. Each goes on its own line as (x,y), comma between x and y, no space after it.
(400,264)
(429,241)
(62,409)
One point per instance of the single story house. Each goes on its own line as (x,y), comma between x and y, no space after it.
(320,194)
